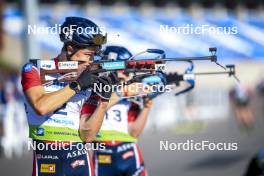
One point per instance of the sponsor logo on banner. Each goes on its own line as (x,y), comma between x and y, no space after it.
(40,131)
(68,65)
(160,67)
(113,65)
(40,156)
(27,67)
(125,147)
(77,163)
(76,153)
(47,64)
(105,159)
(128,154)
(47,168)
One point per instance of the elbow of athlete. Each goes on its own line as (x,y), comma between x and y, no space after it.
(41,110)
(87,135)
(134,133)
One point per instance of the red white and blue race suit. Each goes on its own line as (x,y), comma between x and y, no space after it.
(59,128)
(122,155)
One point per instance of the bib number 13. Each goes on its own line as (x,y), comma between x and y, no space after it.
(116,116)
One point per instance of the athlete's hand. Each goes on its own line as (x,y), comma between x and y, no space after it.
(135,89)
(87,79)
(147,102)
(107,85)
(114,78)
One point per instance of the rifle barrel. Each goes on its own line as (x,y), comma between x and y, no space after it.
(212,73)
(212,58)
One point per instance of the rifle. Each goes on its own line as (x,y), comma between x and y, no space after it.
(174,78)
(133,65)
(189,76)
(68,70)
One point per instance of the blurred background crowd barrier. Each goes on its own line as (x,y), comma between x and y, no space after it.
(138,25)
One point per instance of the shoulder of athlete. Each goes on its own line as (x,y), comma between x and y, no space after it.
(29,76)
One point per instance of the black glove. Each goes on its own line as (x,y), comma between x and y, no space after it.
(88,78)
(106,90)
(107,85)
(114,78)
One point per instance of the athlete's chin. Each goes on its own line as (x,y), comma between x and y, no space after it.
(81,68)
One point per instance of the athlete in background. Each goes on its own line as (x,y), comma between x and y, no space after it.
(241,99)
(122,125)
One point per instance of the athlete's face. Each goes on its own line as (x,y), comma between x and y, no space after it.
(84,56)
(123,76)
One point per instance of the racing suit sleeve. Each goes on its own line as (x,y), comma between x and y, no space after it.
(137,119)
(92,116)
(133,112)
(30,77)
(90,105)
